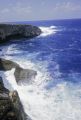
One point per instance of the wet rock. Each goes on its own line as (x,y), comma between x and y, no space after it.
(24,75)
(7,65)
(10,105)
(21,75)
(18,106)
(14,31)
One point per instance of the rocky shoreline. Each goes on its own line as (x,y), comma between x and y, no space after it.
(21,74)
(10,105)
(17,31)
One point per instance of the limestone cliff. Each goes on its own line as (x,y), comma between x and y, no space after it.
(17,31)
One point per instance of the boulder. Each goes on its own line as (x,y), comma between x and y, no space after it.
(17,31)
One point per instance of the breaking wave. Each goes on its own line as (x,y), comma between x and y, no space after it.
(42,104)
(49,96)
(48,30)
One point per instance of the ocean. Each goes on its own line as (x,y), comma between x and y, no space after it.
(55,93)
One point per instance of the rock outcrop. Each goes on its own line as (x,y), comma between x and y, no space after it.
(6,65)
(10,105)
(21,75)
(14,31)
(24,75)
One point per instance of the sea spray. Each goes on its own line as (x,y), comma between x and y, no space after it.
(55,94)
(48,30)
(40,103)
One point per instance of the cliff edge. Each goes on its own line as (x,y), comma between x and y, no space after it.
(17,31)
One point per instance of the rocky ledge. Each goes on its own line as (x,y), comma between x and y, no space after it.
(14,31)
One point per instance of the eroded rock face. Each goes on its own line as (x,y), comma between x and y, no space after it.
(21,75)
(7,65)
(24,75)
(18,106)
(10,105)
(13,31)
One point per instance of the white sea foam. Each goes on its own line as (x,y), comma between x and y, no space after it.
(48,30)
(9,50)
(62,102)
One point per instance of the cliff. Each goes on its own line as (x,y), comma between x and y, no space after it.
(10,104)
(15,31)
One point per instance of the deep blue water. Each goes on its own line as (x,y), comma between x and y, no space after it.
(57,59)
(62,48)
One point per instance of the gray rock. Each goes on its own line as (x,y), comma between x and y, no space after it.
(7,64)
(10,105)
(18,106)
(21,75)
(2,88)
(14,31)
(24,75)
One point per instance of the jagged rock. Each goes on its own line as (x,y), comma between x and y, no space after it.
(18,106)
(10,105)
(13,31)
(21,75)
(2,88)
(24,75)
(7,64)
